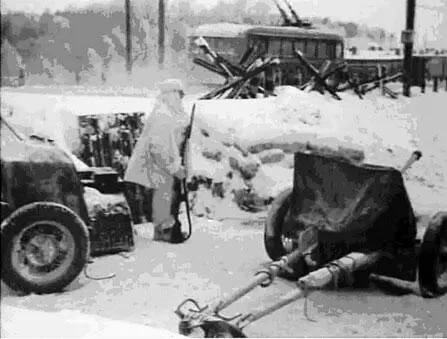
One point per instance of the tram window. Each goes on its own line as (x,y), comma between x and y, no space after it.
(220,45)
(300,45)
(226,46)
(274,47)
(260,46)
(239,44)
(322,50)
(287,48)
(338,50)
(330,50)
(211,42)
(311,49)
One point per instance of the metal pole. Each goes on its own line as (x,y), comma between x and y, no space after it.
(128,38)
(161,33)
(263,276)
(407,40)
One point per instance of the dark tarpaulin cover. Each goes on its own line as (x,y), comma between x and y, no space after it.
(355,207)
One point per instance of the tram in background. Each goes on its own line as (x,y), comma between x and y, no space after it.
(232,40)
(317,45)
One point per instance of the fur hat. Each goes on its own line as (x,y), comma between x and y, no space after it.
(170,85)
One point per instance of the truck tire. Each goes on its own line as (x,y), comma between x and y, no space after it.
(432,263)
(273,241)
(45,246)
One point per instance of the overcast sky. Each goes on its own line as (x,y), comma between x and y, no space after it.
(431,15)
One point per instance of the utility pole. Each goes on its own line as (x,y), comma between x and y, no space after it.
(408,39)
(128,38)
(161,33)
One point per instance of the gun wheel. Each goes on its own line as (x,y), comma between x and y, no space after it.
(433,258)
(221,329)
(280,237)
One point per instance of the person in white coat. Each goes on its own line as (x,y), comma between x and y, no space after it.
(156,160)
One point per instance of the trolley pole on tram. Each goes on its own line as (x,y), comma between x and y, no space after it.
(407,39)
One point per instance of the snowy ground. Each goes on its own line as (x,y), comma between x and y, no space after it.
(225,252)
(218,258)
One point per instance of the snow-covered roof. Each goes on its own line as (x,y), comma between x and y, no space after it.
(221,30)
(295,32)
(373,56)
(228,30)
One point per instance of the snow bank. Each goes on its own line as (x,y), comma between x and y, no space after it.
(253,121)
(295,117)
(56,116)
(25,323)
(386,130)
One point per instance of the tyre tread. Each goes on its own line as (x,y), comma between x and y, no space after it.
(12,226)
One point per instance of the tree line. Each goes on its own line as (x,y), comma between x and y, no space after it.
(83,41)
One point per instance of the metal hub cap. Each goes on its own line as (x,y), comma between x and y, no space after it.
(43,251)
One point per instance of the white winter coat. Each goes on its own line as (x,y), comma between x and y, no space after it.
(156,156)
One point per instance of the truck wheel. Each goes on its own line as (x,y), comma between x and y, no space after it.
(432,263)
(45,246)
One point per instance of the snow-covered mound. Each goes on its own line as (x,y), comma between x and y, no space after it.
(25,323)
(376,130)
(249,144)
(294,116)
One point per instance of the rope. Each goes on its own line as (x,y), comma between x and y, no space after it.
(270,273)
(335,273)
(306,290)
(338,271)
(124,255)
(349,276)
(90,261)
(354,266)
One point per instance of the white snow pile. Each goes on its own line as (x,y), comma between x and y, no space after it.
(56,116)
(259,136)
(295,116)
(248,145)
(25,323)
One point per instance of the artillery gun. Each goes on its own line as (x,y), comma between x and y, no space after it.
(341,222)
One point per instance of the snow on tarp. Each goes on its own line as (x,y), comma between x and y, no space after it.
(25,323)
